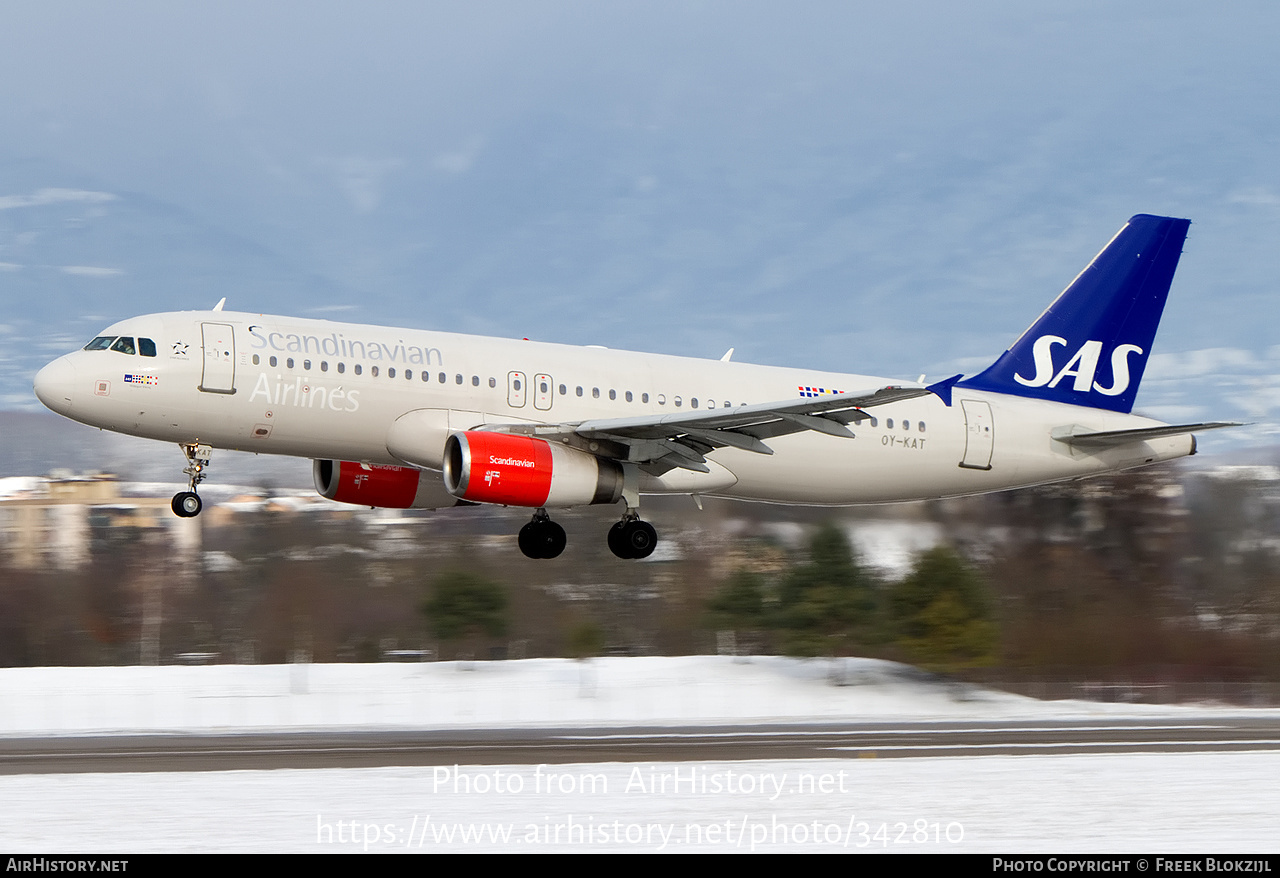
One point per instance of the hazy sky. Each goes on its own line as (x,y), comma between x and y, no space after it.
(881,188)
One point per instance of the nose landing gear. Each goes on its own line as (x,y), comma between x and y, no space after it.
(187,504)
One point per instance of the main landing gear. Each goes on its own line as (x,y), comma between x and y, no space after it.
(186,504)
(542,537)
(632,538)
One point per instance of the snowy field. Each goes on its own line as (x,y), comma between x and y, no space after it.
(1198,803)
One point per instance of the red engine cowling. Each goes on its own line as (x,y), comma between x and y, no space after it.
(372,484)
(512,470)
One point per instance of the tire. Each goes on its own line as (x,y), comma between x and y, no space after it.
(528,540)
(617,540)
(554,540)
(186,504)
(641,539)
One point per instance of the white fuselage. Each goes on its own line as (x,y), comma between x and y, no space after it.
(318,389)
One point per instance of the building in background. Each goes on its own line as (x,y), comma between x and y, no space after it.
(54,522)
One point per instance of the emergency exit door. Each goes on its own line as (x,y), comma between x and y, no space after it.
(979,434)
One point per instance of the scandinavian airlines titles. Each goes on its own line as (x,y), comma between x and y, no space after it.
(303,394)
(335,344)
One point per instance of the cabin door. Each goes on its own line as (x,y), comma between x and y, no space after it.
(219,374)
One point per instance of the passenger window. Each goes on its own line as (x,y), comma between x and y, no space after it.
(920,426)
(373,371)
(628,396)
(289,363)
(493,382)
(613,394)
(391,373)
(906,425)
(342,368)
(124,344)
(579,390)
(358,368)
(888,423)
(595,393)
(644,397)
(255,360)
(563,390)
(475,380)
(443,378)
(147,348)
(677,400)
(694,402)
(274,362)
(662,399)
(426,377)
(458,378)
(875,423)
(324,365)
(408,374)
(306,365)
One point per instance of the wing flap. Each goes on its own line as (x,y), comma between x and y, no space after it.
(683,438)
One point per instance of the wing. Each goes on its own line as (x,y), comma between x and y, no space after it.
(659,443)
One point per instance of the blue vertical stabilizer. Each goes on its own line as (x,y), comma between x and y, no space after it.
(1090,347)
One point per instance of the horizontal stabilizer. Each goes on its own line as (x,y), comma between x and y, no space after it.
(1113,438)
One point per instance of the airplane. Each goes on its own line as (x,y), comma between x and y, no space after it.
(406,418)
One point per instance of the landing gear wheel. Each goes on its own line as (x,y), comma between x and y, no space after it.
(542,538)
(528,540)
(186,504)
(555,540)
(632,539)
(617,543)
(641,538)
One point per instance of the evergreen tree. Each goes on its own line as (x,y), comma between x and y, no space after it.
(827,605)
(941,614)
(464,606)
(739,604)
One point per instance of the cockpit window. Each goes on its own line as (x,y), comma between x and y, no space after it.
(101,343)
(124,344)
(146,347)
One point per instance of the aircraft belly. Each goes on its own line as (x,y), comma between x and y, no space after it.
(876,467)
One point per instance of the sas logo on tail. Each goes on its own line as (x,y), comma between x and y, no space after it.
(1080,367)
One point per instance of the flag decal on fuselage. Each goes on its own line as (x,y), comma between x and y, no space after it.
(818,391)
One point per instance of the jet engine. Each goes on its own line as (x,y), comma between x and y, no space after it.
(373,484)
(513,470)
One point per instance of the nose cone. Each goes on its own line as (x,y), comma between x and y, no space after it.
(55,384)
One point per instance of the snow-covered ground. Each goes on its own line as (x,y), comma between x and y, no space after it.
(551,692)
(1223,802)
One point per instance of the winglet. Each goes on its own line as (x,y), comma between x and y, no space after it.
(221,302)
(942,389)
(727,356)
